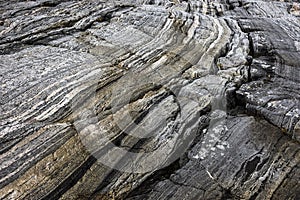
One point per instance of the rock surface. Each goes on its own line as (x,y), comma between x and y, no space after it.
(150,99)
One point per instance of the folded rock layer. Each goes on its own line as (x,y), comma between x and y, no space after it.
(150,99)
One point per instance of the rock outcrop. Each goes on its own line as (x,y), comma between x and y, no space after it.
(150,99)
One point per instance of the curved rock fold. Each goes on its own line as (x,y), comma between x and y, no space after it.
(149,99)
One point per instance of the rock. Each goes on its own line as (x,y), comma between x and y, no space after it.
(149,99)
(233,160)
(295,10)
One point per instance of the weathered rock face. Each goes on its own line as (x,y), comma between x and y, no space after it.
(149,99)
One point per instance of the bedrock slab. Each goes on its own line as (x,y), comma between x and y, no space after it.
(149,99)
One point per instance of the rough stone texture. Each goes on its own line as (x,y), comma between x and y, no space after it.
(218,80)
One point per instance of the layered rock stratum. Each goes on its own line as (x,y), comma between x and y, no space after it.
(150,99)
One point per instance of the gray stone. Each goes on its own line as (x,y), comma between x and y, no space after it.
(149,99)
